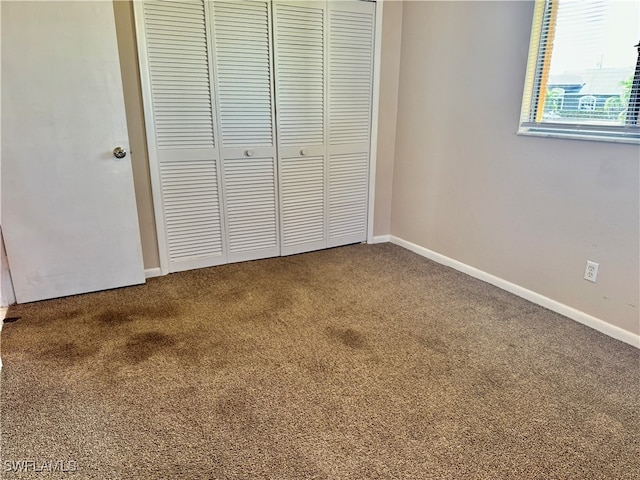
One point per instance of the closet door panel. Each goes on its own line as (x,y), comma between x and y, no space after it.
(251,207)
(242,46)
(192,213)
(299,42)
(300,66)
(302,206)
(351,30)
(182,135)
(350,71)
(348,186)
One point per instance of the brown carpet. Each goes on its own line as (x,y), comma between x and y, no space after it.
(361,362)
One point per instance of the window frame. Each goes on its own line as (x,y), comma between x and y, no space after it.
(533,98)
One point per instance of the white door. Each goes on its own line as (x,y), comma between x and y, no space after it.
(68,207)
(299,46)
(350,76)
(176,71)
(324,72)
(242,49)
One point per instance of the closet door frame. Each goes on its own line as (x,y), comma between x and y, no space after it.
(150,131)
(373,134)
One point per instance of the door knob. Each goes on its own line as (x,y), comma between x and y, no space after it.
(119,152)
(249,153)
(303,152)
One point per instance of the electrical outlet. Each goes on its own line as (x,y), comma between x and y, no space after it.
(591,272)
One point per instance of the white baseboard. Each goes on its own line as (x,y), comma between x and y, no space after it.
(152,272)
(574,314)
(381,239)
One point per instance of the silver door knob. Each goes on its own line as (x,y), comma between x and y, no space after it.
(248,153)
(303,152)
(119,152)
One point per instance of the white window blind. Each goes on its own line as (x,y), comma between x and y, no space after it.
(583,76)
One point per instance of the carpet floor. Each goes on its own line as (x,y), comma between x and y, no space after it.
(361,362)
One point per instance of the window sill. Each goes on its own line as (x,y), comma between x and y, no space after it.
(631,138)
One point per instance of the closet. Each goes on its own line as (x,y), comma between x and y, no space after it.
(258,119)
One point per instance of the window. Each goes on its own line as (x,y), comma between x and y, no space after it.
(583,75)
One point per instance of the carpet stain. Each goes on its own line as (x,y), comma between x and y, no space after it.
(234,407)
(432,343)
(67,315)
(11,319)
(67,353)
(114,316)
(487,382)
(348,337)
(141,346)
(234,295)
(317,366)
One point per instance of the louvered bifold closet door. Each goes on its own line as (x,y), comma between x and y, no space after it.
(350,70)
(299,48)
(176,69)
(243,65)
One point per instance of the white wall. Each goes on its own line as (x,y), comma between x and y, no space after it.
(528,210)
(387,114)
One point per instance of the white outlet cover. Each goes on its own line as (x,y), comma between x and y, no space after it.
(591,272)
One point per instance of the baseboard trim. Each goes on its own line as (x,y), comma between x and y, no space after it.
(152,272)
(570,312)
(381,239)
